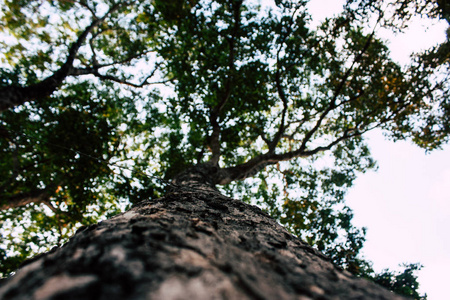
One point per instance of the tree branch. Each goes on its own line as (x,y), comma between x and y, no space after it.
(276,139)
(337,92)
(281,129)
(95,71)
(121,81)
(38,196)
(85,5)
(214,139)
(256,164)
(12,96)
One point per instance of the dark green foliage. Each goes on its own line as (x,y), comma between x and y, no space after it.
(403,283)
(59,151)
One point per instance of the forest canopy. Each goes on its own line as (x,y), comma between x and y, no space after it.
(103,102)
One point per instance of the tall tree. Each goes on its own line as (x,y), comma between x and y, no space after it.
(264,105)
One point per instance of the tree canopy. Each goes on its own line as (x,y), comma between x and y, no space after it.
(103,102)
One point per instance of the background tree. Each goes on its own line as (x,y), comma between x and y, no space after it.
(273,109)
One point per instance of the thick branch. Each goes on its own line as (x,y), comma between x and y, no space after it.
(39,196)
(254,165)
(12,96)
(246,170)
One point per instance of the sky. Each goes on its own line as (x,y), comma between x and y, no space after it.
(405,205)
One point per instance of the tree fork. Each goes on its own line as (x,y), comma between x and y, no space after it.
(191,243)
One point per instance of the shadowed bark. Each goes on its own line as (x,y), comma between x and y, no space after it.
(193,243)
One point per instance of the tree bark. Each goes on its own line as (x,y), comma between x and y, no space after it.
(193,243)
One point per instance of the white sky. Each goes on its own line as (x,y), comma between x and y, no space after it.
(405,204)
(406,208)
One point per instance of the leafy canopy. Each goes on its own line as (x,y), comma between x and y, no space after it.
(106,101)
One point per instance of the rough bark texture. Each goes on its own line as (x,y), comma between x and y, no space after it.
(187,245)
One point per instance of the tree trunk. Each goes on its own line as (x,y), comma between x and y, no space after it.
(193,243)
